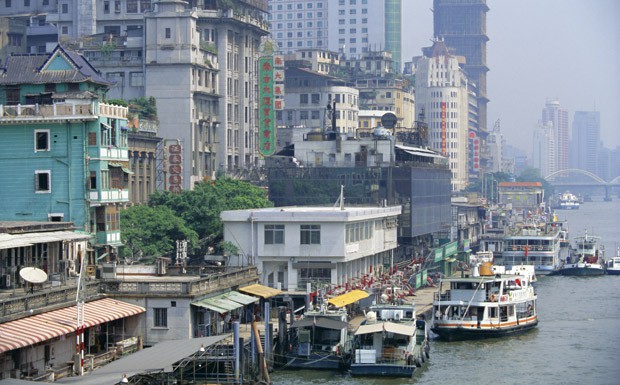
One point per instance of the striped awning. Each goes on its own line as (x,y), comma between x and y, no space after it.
(348,298)
(42,327)
(260,291)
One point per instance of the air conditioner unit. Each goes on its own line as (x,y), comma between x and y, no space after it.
(108,270)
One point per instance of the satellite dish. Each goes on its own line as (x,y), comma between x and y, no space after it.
(33,275)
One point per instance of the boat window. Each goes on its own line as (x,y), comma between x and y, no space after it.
(492,312)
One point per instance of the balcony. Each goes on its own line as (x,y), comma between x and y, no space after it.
(59,111)
(108,196)
(111,237)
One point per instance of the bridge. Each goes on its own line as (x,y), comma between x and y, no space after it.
(592,181)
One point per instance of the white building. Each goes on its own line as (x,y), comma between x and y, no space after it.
(543,151)
(441,92)
(294,246)
(351,27)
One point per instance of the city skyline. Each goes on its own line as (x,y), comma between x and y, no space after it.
(575,59)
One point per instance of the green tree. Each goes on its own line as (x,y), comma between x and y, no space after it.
(200,208)
(151,232)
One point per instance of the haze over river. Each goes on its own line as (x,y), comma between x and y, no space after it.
(576,342)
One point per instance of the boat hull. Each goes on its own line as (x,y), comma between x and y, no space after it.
(316,362)
(613,271)
(382,370)
(460,333)
(580,271)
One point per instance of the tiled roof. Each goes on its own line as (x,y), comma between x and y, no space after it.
(31,69)
(520,184)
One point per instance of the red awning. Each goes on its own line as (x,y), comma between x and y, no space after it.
(42,327)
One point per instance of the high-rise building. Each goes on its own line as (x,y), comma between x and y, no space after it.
(543,150)
(462,25)
(351,27)
(585,141)
(558,117)
(441,94)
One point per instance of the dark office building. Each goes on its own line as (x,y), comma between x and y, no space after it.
(463,26)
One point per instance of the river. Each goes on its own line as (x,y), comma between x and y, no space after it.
(576,342)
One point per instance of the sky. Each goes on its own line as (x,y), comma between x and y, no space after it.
(567,50)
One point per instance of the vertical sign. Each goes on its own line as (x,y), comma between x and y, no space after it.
(443,128)
(175,167)
(278,86)
(266,116)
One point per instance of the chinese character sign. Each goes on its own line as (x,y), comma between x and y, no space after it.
(443,129)
(266,116)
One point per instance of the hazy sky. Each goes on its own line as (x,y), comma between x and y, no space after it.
(541,49)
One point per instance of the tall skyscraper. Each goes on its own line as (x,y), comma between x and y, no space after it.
(543,150)
(558,117)
(351,27)
(586,139)
(441,93)
(462,25)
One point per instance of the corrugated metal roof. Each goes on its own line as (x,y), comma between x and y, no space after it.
(218,304)
(8,241)
(260,291)
(348,298)
(161,356)
(42,327)
(240,298)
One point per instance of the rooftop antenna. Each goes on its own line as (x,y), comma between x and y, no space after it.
(340,200)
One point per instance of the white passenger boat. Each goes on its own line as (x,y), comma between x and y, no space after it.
(586,260)
(613,264)
(538,245)
(491,305)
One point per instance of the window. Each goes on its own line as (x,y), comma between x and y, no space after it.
(136,79)
(160,317)
(310,234)
(8,3)
(26,3)
(106,7)
(41,140)
(168,33)
(42,179)
(274,234)
(65,8)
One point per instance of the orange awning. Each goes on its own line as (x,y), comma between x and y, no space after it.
(42,327)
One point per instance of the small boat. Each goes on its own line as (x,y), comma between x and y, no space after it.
(586,260)
(568,201)
(391,342)
(489,305)
(321,339)
(613,264)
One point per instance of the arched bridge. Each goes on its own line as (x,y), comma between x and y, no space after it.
(594,180)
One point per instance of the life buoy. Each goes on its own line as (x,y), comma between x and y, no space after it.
(514,248)
(503,298)
(493,297)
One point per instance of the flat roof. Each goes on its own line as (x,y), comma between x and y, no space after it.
(311,213)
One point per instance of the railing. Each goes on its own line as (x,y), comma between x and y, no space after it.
(17,304)
(60,110)
(203,285)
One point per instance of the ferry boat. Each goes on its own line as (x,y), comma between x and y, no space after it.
(613,264)
(541,245)
(586,260)
(490,305)
(321,338)
(568,201)
(391,342)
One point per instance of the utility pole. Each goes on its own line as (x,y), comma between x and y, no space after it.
(79,328)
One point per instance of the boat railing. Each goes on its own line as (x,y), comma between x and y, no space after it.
(529,248)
